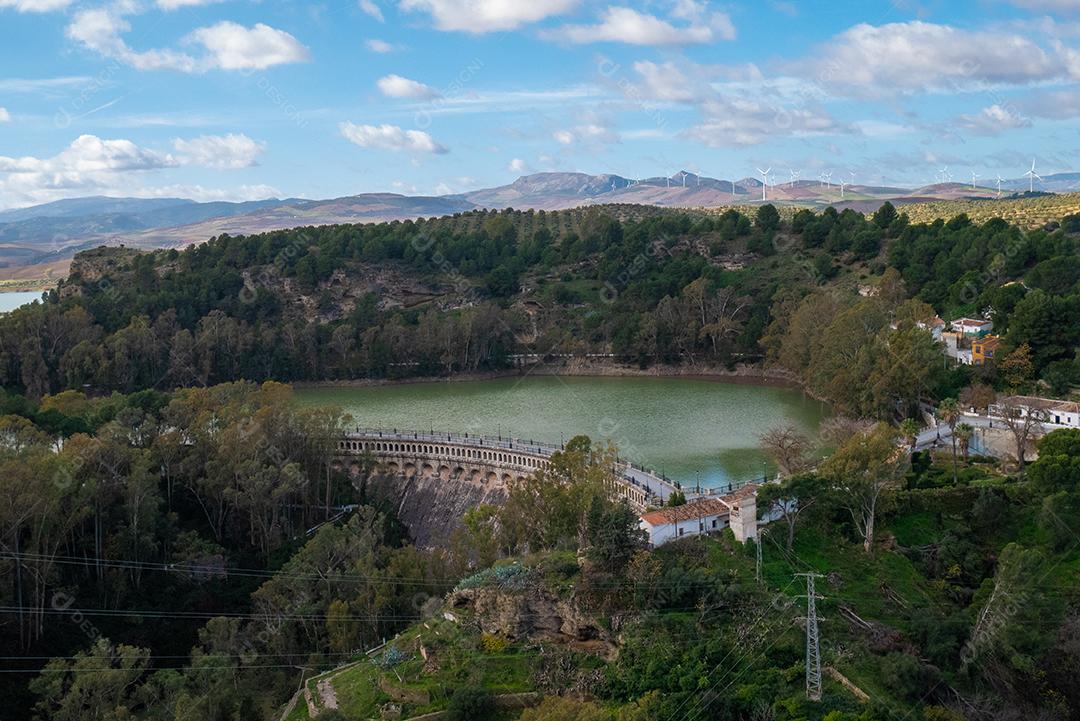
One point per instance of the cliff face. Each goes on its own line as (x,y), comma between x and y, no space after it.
(536,614)
(432,507)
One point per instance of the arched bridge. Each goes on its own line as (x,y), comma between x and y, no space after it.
(482,460)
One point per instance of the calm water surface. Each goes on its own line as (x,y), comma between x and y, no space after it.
(695,431)
(11,301)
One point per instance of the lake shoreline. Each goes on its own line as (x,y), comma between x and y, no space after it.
(741,375)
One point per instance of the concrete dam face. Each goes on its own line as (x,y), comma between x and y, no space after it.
(432,479)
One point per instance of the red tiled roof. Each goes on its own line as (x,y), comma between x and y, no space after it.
(692,511)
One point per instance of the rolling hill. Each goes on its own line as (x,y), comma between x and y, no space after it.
(38,243)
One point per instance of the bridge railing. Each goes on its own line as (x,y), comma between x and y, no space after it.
(656,486)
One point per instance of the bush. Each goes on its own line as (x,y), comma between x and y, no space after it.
(490,643)
(470,704)
(508,577)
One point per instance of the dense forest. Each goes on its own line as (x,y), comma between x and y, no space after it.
(437,297)
(176,542)
(169,562)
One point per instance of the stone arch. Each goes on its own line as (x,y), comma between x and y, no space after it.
(410,470)
(477,476)
(427,470)
(444,472)
(459,472)
(392,468)
(506,478)
(491,477)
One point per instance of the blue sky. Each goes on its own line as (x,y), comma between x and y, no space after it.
(243,99)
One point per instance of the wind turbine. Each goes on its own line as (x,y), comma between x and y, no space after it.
(733,190)
(944,172)
(974,177)
(842,184)
(764,181)
(1000,180)
(1031,177)
(794,177)
(852,174)
(827,178)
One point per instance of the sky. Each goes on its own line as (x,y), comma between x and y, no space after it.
(249,99)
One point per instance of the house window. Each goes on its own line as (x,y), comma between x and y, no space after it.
(680,531)
(714,523)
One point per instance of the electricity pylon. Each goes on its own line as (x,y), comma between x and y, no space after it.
(813,642)
(757,548)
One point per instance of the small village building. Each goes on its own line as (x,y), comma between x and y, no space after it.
(737,510)
(1064,414)
(935,325)
(984,350)
(972,327)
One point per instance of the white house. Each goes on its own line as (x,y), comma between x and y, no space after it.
(1064,414)
(737,510)
(972,326)
(935,325)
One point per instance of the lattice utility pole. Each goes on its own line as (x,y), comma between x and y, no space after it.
(757,548)
(813,645)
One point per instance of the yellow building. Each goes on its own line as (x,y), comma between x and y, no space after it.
(984,349)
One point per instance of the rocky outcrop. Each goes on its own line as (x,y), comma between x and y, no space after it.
(432,507)
(534,614)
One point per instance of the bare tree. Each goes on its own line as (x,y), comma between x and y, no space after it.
(1025,423)
(788,447)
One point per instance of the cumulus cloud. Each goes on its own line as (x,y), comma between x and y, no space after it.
(227,45)
(517,165)
(592,129)
(390,137)
(235,47)
(626,25)
(395,86)
(373,10)
(169,5)
(914,56)
(994,119)
(5,116)
(1049,6)
(35,6)
(741,121)
(93,165)
(225,152)
(484,16)
(664,82)
(379,46)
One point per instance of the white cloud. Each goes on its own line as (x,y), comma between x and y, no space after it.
(994,119)
(484,16)
(5,116)
(88,164)
(914,56)
(592,129)
(1049,6)
(379,46)
(228,46)
(517,165)
(35,6)
(235,47)
(226,152)
(100,30)
(395,86)
(665,82)
(739,121)
(169,5)
(390,137)
(626,25)
(370,8)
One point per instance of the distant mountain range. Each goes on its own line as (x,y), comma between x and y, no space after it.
(39,241)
